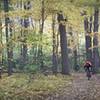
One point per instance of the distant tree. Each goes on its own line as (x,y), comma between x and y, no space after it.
(54,57)
(27,6)
(9,55)
(40,50)
(1,45)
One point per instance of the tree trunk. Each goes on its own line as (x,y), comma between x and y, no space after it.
(11,46)
(75,60)
(24,45)
(1,50)
(90,28)
(41,34)
(63,44)
(96,57)
(9,56)
(1,45)
(54,57)
(24,50)
(87,39)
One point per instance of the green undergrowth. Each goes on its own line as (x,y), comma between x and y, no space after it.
(31,87)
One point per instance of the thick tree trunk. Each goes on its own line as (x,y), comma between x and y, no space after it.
(96,57)
(9,56)
(54,57)
(63,44)
(87,39)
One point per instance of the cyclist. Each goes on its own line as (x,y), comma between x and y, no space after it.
(88,69)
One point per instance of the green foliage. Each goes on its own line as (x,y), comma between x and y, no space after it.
(31,68)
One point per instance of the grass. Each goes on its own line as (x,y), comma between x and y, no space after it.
(24,87)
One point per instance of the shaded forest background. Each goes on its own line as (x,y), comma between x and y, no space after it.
(48,35)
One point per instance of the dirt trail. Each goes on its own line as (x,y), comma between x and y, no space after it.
(80,89)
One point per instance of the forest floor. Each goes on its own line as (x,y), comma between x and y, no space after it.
(40,87)
(81,89)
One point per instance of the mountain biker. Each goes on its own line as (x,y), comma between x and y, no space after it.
(88,69)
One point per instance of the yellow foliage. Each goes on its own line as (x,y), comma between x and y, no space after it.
(20,85)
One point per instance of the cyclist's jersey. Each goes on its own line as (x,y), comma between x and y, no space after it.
(88,64)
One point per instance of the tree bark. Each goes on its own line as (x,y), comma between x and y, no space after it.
(96,57)
(1,50)
(11,44)
(63,44)
(40,52)
(87,39)
(1,45)
(75,60)
(54,57)
(9,56)
(27,6)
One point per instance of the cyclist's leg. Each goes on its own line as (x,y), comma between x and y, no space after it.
(88,73)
